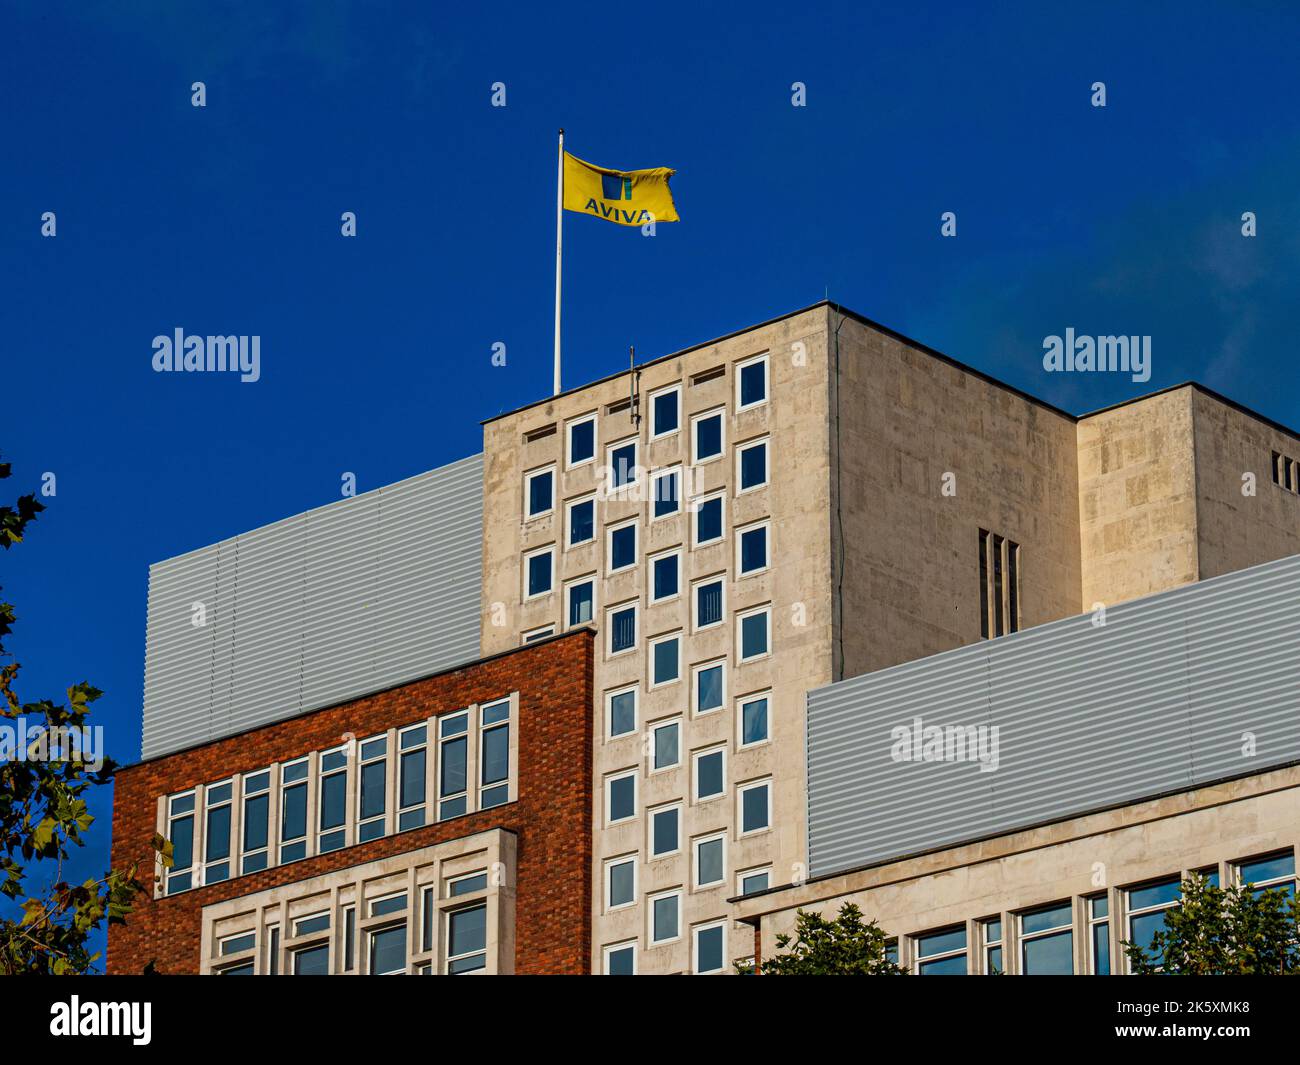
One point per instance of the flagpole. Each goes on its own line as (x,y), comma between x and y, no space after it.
(559,233)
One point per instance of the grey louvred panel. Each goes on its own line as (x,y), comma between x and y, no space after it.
(327,605)
(1160,698)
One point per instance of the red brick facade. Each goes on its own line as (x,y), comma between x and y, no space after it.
(552,816)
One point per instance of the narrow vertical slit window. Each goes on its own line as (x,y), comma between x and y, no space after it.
(257,811)
(452,754)
(998,627)
(293,811)
(494,754)
(1013,586)
(216,837)
(413,765)
(984,584)
(333,800)
(372,793)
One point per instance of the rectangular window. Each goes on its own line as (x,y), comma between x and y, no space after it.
(999,567)
(710,773)
(621,550)
(751,549)
(180,831)
(534,635)
(539,567)
(985,602)
(413,765)
(620,959)
(665,830)
(622,629)
(708,603)
(373,792)
(1277,468)
(665,744)
(218,805)
(1098,935)
(332,803)
(709,948)
(709,687)
(708,520)
(388,951)
(1275,872)
(754,727)
(665,660)
(754,637)
(453,767)
(751,383)
(755,807)
(1145,908)
(751,466)
(622,465)
(942,953)
(991,939)
(1047,941)
(582,522)
(711,861)
(665,411)
(312,961)
(667,493)
(349,939)
(755,880)
(293,811)
(580,602)
(582,440)
(665,576)
(494,754)
(466,885)
(620,883)
(539,492)
(620,712)
(620,797)
(256,821)
(665,917)
(707,437)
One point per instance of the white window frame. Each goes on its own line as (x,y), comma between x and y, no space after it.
(741,617)
(610,864)
(279,811)
(678,810)
(633,605)
(750,445)
(399,756)
(321,774)
(721,414)
(676,894)
(272,801)
(650,562)
(568,441)
(716,578)
(611,491)
(655,434)
(716,748)
(708,926)
(610,530)
(1273,882)
(549,550)
(195,814)
(655,728)
(741,791)
(696,504)
(529,513)
(609,711)
(610,779)
(569,586)
(232,849)
(754,526)
(608,949)
(673,637)
(698,668)
(654,492)
(767,381)
(569,542)
(362,761)
(743,701)
(1023,937)
(533,635)
(745,874)
(696,843)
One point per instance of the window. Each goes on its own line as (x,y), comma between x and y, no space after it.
(709,687)
(1047,941)
(622,465)
(942,953)
(257,814)
(1275,872)
(665,576)
(708,520)
(622,546)
(755,880)
(333,801)
(582,440)
(494,754)
(751,466)
(991,937)
(1098,910)
(751,549)
(1146,906)
(706,437)
(620,883)
(711,860)
(467,940)
(620,797)
(293,811)
(665,411)
(755,807)
(665,917)
(534,635)
(620,959)
(665,660)
(305,926)
(665,745)
(539,492)
(751,383)
(312,961)
(620,712)
(754,727)
(753,634)
(667,493)
(708,603)
(453,766)
(999,567)
(580,601)
(709,947)
(622,629)
(710,773)
(218,800)
(582,521)
(372,795)
(538,567)
(665,830)
(180,831)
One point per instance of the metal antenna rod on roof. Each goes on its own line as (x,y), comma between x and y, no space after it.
(633,379)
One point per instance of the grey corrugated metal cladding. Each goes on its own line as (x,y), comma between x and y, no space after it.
(342,600)
(1181,688)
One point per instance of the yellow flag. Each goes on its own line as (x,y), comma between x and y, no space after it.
(628,197)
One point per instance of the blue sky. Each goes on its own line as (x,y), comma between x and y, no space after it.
(376,350)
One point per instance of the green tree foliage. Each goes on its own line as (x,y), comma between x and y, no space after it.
(1235,931)
(43,812)
(845,946)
